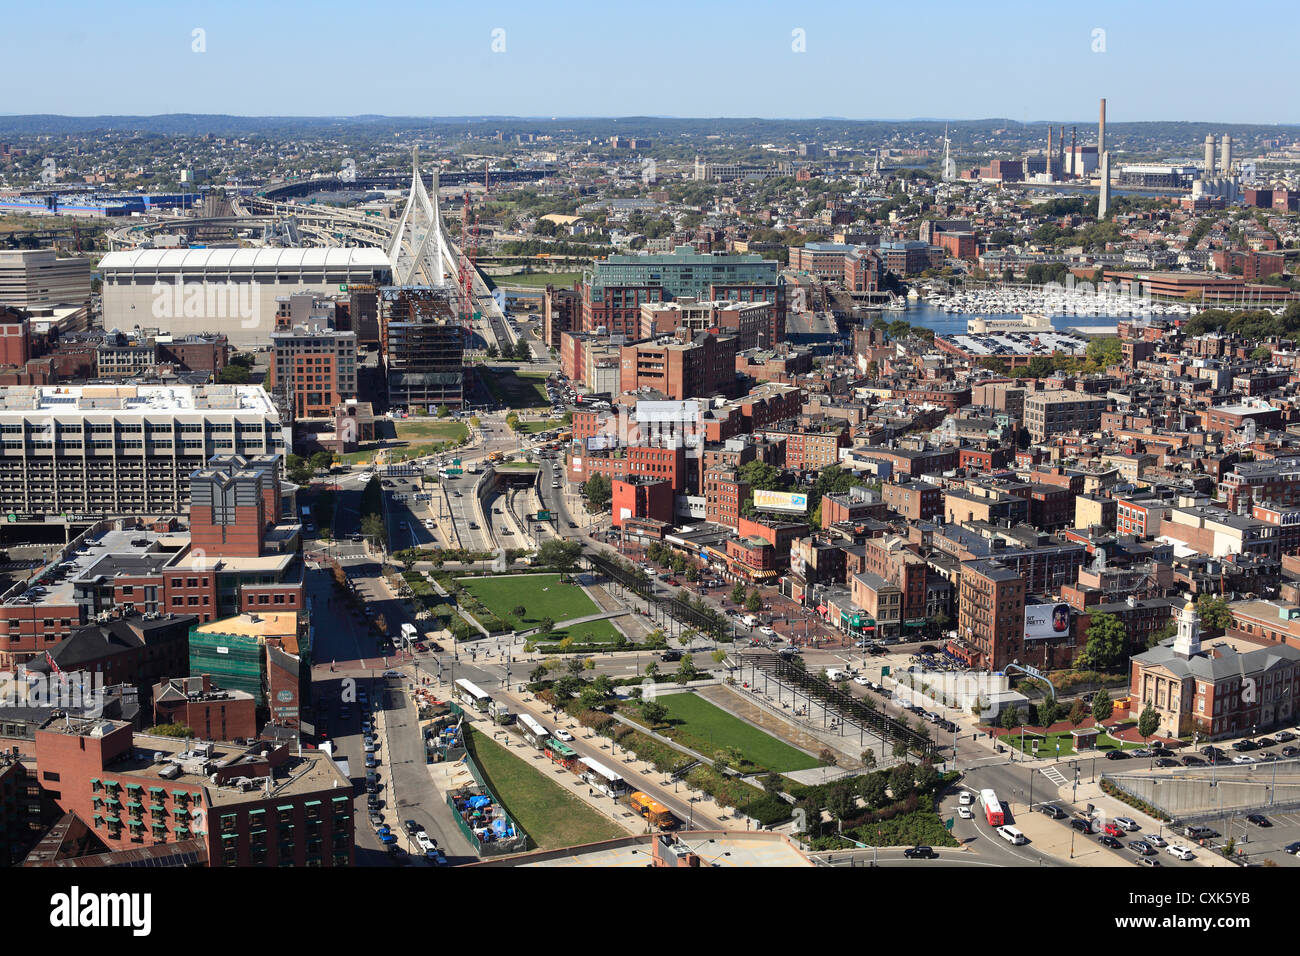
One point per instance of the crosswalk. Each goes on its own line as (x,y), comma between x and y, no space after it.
(1054,775)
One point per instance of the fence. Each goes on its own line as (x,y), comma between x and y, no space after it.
(498,846)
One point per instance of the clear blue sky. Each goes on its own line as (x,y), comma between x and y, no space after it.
(864,59)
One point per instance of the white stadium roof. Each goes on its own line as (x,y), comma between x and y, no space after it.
(269,259)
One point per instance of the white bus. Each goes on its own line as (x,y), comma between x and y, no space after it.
(533,732)
(603,779)
(469,695)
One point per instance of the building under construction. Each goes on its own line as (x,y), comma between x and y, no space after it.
(422,343)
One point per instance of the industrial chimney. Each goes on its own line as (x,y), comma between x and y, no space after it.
(1209,155)
(1225,155)
(1049,153)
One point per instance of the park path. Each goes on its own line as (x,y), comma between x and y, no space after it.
(743,709)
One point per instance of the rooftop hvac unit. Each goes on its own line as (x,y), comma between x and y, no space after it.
(170,772)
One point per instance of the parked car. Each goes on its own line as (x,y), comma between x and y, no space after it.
(412,827)
(1292,848)
(1114,829)
(1182,852)
(1258,819)
(1052,810)
(1127,823)
(1147,861)
(1197,832)
(1289,751)
(1082,824)
(1142,752)
(1141,847)
(1155,840)
(1116,755)
(1244,758)
(1107,840)
(1284,736)
(423,842)
(1166,762)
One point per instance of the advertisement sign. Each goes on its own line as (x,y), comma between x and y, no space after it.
(1046,620)
(787,501)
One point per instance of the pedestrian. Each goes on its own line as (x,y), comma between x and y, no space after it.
(590,792)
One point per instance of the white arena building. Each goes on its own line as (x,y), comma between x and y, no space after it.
(231,291)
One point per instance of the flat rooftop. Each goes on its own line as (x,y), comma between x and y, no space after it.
(132,401)
(113,551)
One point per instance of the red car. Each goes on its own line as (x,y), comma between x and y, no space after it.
(420,647)
(1115,830)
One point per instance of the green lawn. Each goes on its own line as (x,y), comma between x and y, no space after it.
(516,466)
(542,425)
(694,722)
(561,280)
(551,816)
(515,389)
(542,594)
(1048,745)
(430,428)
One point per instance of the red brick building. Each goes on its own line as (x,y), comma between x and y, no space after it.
(253,805)
(641,497)
(212,713)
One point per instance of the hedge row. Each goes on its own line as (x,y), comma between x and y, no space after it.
(1110,789)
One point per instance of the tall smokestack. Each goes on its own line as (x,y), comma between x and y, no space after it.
(1103,196)
(1225,154)
(1074,150)
(1101,131)
(1060,153)
(1049,153)
(1209,155)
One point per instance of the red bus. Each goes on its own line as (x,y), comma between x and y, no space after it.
(992,808)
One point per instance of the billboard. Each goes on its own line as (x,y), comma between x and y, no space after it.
(1046,620)
(795,503)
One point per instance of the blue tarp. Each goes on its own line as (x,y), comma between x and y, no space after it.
(475,803)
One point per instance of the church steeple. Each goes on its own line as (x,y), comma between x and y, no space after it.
(1188,641)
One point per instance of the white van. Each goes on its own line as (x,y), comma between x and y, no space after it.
(749,620)
(833,674)
(1012,835)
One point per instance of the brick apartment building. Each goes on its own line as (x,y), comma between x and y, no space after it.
(251,805)
(990,615)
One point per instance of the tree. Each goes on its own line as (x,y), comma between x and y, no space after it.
(599,493)
(754,603)
(1010,718)
(1107,637)
(1102,706)
(171,730)
(1213,613)
(653,712)
(840,801)
(559,554)
(546,627)
(372,526)
(1078,712)
(1262,354)
(1148,721)
(474,422)
(234,374)
(691,573)
(901,780)
(574,666)
(738,593)
(519,611)
(686,670)
(522,352)
(322,461)
(492,351)
(298,469)
(1047,709)
(868,759)
(443,411)
(827,759)
(900,749)
(538,674)
(652,669)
